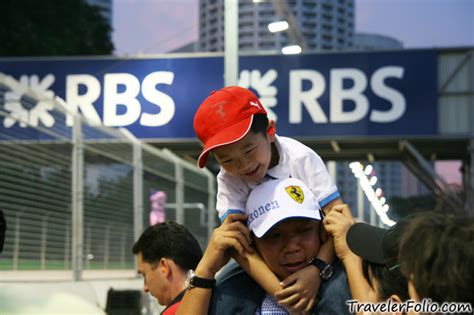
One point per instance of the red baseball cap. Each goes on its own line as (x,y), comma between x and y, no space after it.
(225,117)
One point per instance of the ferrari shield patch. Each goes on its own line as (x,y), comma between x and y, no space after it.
(296,193)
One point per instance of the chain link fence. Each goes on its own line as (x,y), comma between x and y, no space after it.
(77,195)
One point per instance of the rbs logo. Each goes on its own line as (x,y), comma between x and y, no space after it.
(337,95)
(121,106)
(125,97)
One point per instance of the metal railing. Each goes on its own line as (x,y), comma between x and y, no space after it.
(76,195)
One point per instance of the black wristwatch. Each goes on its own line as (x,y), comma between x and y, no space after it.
(194,281)
(325,269)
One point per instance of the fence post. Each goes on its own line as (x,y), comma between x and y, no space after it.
(179,187)
(77,199)
(44,232)
(211,202)
(106,246)
(179,192)
(137,192)
(16,247)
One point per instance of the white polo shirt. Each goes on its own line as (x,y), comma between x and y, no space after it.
(296,160)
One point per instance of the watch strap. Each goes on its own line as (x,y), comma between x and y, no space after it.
(325,269)
(198,282)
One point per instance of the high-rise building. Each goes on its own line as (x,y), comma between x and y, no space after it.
(105,8)
(325,25)
(365,41)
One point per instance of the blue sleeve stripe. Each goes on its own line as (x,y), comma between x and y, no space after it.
(230,211)
(329,198)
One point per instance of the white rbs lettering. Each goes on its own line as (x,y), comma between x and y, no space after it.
(125,97)
(308,99)
(160,99)
(338,94)
(388,93)
(85,101)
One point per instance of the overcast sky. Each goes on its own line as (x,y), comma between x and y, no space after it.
(158,26)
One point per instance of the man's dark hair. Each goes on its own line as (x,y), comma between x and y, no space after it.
(169,240)
(389,281)
(437,255)
(259,124)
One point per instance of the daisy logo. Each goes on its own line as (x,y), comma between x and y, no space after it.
(263,85)
(26,111)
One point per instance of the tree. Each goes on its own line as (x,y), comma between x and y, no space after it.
(53,28)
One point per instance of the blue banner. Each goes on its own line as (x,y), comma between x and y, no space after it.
(314,95)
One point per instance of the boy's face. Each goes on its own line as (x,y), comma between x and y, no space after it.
(289,246)
(248,158)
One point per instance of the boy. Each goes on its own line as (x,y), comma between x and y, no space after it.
(233,124)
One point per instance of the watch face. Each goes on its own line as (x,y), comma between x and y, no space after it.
(189,276)
(327,272)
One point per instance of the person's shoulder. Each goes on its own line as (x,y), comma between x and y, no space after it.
(232,275)
(234,280)
(171,310)
(297,153)
(293,145)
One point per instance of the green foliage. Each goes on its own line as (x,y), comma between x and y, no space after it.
(53,28)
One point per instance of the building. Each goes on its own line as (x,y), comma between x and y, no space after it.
(365,42)
(105,8)
(324,25)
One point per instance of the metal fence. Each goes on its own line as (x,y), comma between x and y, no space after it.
(76,195)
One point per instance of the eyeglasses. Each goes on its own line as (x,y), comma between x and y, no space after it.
(394,267)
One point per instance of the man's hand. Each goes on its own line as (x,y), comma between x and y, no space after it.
(232,234)
(299,291)
(337,222)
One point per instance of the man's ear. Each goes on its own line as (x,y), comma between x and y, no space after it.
(164,266)
(271,130)
(395,298)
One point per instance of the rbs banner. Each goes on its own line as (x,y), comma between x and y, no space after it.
(317,95)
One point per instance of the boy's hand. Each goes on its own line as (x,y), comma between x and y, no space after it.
(337,222)
(299,290)
(231,235)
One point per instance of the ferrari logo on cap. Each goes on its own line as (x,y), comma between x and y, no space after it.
(219,107)
(296,193)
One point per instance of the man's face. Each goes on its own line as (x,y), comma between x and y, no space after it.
(154,281)
(248,158)
(289,246)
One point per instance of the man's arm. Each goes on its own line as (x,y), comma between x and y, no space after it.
(232,234)
(326,252)
(253,264)
(337,223)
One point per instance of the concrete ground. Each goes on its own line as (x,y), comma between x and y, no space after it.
(54,292)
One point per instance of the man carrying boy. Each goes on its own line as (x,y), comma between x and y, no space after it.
(284,219)
(233,124)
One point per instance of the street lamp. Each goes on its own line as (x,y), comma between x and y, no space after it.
(291,50)
(278,26)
